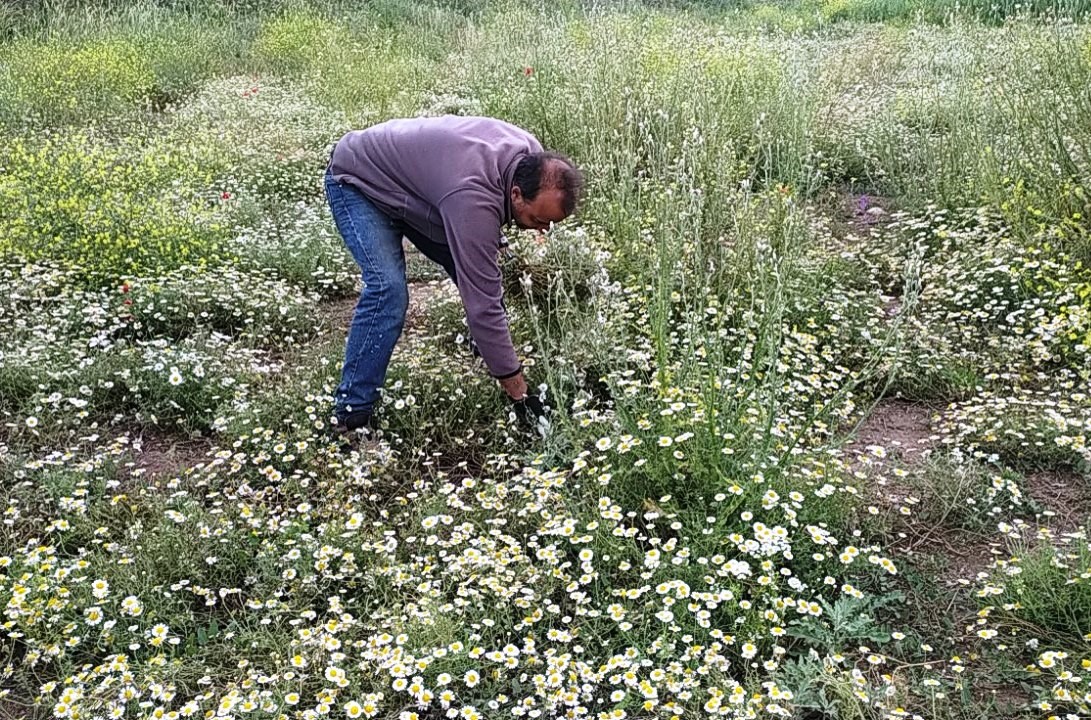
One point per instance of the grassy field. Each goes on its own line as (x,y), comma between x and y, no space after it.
(818,348)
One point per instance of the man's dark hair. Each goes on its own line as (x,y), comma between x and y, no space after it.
(549,170)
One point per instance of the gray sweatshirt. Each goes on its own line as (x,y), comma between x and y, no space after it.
(450,179)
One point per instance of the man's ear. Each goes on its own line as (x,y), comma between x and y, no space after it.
(516,193)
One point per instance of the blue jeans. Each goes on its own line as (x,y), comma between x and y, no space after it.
(375,241)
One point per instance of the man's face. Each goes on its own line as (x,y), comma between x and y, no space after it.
(537,214)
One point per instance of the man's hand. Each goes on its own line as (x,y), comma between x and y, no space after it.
(515,386)
(531,413)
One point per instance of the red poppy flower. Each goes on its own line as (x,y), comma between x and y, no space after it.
(125,287)
(528,71)
(225,195)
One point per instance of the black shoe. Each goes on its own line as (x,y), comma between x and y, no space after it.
(363,419)
(353,430)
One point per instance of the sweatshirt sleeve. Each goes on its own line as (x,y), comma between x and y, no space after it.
(473,234)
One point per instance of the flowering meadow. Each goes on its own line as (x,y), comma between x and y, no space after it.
(817,349)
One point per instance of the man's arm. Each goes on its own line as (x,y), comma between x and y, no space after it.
(473,234)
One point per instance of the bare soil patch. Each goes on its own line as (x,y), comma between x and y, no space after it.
(864,211)
(967,554)
(160,455)
(854,216)
(335,316)
(1066,496)
(13,710)
(903,429)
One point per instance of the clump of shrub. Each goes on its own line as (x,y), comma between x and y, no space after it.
(56,83)
(291,42)
(112,209)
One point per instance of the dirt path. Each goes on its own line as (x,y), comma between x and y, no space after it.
(1065,497)
(336,315)
(903,429)
(158,455)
